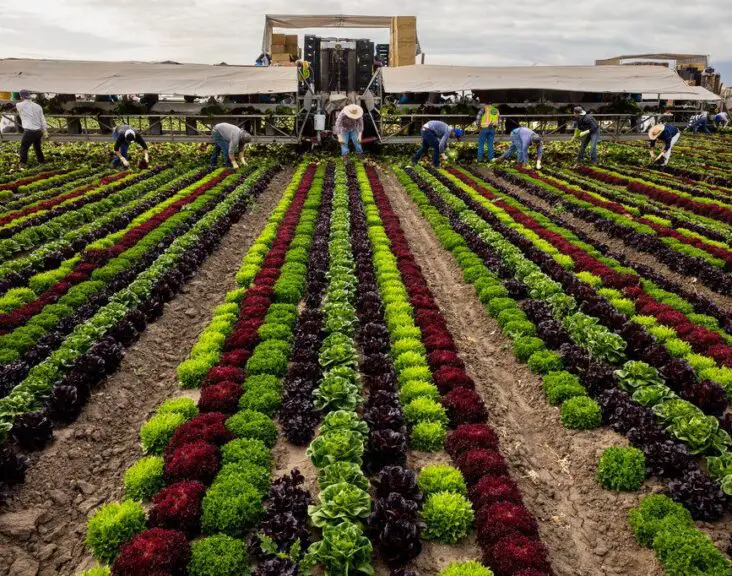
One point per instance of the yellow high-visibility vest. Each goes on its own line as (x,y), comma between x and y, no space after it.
(305,70)
(490,117)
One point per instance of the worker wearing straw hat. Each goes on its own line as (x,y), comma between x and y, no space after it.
(34,126)
(666,133)
(349,127)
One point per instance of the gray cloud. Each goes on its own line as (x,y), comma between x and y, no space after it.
(467,32)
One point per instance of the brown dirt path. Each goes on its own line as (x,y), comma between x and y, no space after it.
(584,526)
(43,526)
(634,256)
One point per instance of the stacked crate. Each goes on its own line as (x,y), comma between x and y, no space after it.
(284,46)
(403,41)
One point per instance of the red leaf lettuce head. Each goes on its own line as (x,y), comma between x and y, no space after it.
(178,507)
(195,461)
(469,436)
(154,552)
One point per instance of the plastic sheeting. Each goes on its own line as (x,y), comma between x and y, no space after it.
(87,77)
(611,79)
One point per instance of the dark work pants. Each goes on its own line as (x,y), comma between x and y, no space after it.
(31,138)
(429,140)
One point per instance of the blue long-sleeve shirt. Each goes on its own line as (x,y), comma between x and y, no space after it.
(442,131)
(669,131)
(521,139)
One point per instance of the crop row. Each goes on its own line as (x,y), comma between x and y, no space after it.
(333,330)
(685,259)
(548,318)
(56,388)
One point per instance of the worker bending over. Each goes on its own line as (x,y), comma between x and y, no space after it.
(435,135)
(229,140)
(349,127)
(587,128)
(699,122)
(124,135)
(487,120)
(521,139)
(34,126)
(669,135)
(721,119)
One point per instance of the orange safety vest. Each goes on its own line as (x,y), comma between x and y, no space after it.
(490,117)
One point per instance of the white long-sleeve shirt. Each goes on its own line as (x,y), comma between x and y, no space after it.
(31,115)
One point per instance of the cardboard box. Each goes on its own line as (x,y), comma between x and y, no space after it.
(291,42)
(278,39)
(278,49)
(279,58)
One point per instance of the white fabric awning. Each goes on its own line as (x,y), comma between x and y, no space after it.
(699,95)
(617,79)
(88,77)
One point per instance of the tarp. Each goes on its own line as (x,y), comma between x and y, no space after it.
(295,22)
(88,77)
(612,79)
(700,95)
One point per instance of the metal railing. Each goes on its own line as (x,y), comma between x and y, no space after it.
(391,128)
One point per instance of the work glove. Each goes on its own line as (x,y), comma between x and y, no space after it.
(585,133)
(125,163)
(242,161)
(146,156)
(340,138)
(235,165)
(575,134)
(494,160)
(45,134)
(538,164)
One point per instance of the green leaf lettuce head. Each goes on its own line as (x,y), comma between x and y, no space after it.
(338,502)
(344,550)
(336,446)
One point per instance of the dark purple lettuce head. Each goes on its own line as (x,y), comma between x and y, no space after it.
(32,430)
(699,494)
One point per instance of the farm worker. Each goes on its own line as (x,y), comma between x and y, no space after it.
(34,125)
(521,139)
(349,126)
(435,135)
(698,122)
(263,60)
(487,120)
(721,119)
(587,128)
(124,135)
(229,140)
(303,70)
(666,133)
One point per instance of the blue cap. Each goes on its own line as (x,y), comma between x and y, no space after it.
(459,132)
(25,94)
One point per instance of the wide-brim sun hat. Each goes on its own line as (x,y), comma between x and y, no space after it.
(353,111)
(655,131)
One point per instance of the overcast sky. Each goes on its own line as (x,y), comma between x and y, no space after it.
(470,32)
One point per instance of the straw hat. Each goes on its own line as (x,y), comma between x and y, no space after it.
(353,111)
(655,131)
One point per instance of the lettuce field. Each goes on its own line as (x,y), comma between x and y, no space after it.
(312,365)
